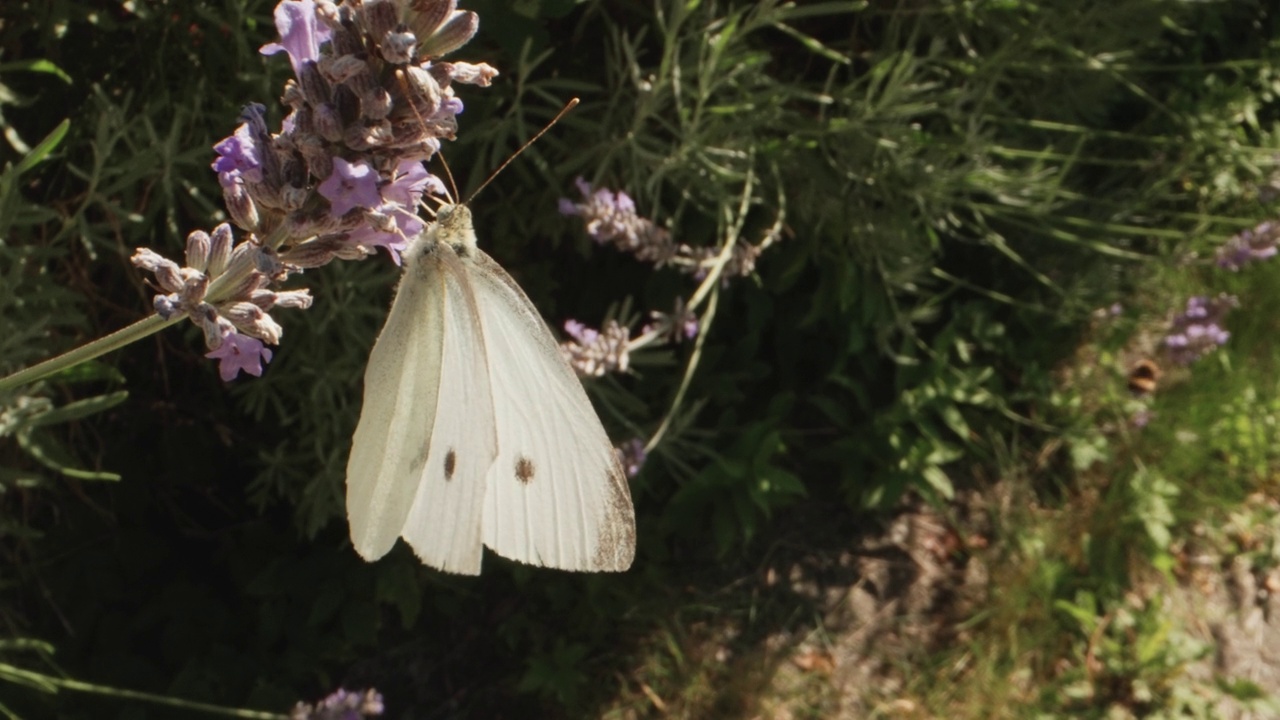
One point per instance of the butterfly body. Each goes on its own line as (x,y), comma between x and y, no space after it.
(475,431)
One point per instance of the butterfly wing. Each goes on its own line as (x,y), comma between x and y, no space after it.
(400,476)
(444,524)
(556,494)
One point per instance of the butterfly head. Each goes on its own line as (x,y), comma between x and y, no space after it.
(453,227)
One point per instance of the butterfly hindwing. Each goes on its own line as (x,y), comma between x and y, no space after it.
(557,495)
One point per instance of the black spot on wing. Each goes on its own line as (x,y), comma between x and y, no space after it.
(524,470)
(450,464)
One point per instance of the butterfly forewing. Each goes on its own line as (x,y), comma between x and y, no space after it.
(398,415)
(557,495)
(444,525)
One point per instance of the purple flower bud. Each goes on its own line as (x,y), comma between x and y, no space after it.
(297,299)
(380,18)
(253,321)
(315,89)
(214,326)
(453,33)
(240,205)
(166,306)
(219,249)
(481,74)
(165,270)
(397,47)
(316,253)
(198,250)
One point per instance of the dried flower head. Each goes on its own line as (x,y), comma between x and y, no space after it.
(1198,330)
(370,100)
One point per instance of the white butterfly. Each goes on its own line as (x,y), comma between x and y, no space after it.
(475,430)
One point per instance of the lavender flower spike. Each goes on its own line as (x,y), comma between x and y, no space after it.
(611,217)
(1249,246)
(1198,330)
(593,352)
(343,176)
(341,705)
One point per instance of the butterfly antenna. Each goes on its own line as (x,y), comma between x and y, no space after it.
(449,174)
(404,84)
(567,107)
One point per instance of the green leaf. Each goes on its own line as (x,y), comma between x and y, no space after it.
(42,149)
(938,480)
(48,452)
(79,409)
(36,66)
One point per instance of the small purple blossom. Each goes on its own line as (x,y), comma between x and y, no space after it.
(632,455)
(1198,330)
(351,185)
(238,157)
(341,705)
(1253,245)
(239,352)
(398,226)
(409,182)
(1142,418)
(300,34)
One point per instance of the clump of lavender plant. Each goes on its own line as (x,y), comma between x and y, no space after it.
(341,705)
(1258,243)
(1198,330)
(369,102)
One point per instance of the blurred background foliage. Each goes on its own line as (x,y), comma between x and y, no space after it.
(959,184)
